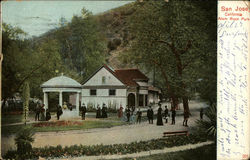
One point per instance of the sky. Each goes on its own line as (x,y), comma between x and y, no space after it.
(38,17)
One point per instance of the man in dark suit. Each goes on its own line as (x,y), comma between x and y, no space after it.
(37,111)
(59,112)
(166,114)
(127,113)
(150,115)
(84,110)
(173,115)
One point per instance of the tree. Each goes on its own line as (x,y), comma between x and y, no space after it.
(169,38)
(27,60)
(82,44)
(12,47)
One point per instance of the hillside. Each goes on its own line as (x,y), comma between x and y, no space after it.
(115,24)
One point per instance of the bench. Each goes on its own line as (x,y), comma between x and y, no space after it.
(166,134)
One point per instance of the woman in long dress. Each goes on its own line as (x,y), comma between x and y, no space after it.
(159,117)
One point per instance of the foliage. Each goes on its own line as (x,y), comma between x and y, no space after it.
(207,152)
(23,141)
(80,43)
(134,147)
(26,98)
(27,60)
(167,38)
(209,125)
(13,32)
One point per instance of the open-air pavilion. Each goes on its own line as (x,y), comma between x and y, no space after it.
(62,84)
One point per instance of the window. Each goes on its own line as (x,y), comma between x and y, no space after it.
(103,79)
(93,92)
(112,92)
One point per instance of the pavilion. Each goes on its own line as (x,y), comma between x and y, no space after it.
(60,85)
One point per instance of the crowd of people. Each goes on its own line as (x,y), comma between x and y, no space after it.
(165,115)
(129,114)
(100,112)
(40,114)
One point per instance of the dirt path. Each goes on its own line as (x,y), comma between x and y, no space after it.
(114,135)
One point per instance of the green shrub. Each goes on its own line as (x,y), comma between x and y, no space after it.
(134,147)
(209,126)
(23,142)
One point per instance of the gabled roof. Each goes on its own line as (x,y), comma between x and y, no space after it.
(127,76)
(107,68)
(130,76)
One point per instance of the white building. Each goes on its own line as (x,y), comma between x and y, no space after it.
(117,88)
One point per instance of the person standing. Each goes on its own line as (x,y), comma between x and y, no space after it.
(201,113)
(186,116)
(159,116)
(139,113)
(65,106)
(84,110)
(133,115)
(104,111)
(70,107)
(37,111)
(120,112)
(43,113)
(48,116)
(59,112)
(98,112)
(133,109)
(127,113)
(150,115)
(173,115)
(166,114)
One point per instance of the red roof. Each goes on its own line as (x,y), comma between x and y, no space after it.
(129,76)
(126,76)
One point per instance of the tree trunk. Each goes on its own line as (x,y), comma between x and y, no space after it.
(175,102)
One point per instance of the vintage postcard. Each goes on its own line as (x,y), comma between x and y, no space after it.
(124,80)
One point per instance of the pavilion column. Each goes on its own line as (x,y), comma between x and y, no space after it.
(60,98)
(45,100)
(77,102)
